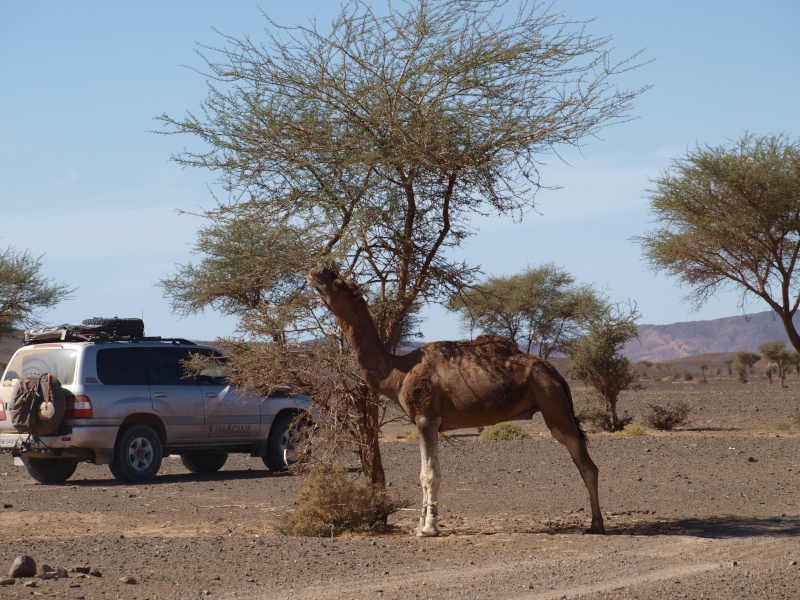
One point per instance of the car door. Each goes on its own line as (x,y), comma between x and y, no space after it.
(231,415)
(175,395)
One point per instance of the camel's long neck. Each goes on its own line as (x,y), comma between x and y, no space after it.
(377,364)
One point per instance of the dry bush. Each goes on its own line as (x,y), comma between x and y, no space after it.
(632,430)
(600,419)
(666,419)
(332,502)
(503,431)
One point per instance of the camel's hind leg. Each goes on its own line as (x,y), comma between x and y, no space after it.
(429,476)
(561,423)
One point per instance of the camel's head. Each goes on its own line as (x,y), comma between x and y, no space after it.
(334,291)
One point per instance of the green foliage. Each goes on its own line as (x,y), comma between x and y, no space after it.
(744,364)
(687,376)
(541,309)
(730,218)
(331,503)
(24,291)
(596,359)
(503,431)
(666,419)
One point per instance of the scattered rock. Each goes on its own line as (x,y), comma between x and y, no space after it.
(23,566)
(793,563)
(48,575)
(95,573)
(128,580)
(47,569)
(7,581)
(31,583)
(752,459)
(84,569)
(61,572)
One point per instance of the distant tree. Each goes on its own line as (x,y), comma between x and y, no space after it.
(744,364)
(780,358)
(541,309)
(703,369)
(24,291)
(730,218)
(370,144)
(596,359)
(729,364)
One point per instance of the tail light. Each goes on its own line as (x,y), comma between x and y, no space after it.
(2,412)
(78,407)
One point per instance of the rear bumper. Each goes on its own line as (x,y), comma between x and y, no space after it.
(90,443)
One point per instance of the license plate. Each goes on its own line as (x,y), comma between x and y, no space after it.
(8,440)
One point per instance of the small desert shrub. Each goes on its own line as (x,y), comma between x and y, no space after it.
(666,419)
(600,420)
(632,430)
(687,376)
(332,503)
(504,431)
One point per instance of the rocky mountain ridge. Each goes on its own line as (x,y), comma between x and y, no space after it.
(730,334)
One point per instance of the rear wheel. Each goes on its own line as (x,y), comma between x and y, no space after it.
(47,470)
(137,454)
(204,462)
(282,443)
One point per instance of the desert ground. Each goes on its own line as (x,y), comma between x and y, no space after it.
(710,510)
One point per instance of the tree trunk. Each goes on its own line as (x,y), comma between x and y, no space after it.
(369,450)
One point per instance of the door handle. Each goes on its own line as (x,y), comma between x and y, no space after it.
(212,395)
(159,395)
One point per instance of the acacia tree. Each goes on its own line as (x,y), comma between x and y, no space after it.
(24,291)
(375,141)
(779,357)
(730,218)
(541,308)
(596,358)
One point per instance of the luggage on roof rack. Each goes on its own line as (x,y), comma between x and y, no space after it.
(94,329)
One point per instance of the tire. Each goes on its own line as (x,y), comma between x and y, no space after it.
(119,327)
(137,454)
(283,435)
(49,471)
(204,462)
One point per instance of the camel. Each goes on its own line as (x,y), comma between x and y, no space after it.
(443,386)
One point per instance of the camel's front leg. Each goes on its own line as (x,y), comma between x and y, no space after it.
(429,476)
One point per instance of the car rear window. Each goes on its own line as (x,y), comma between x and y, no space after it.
(122,366)
(59,362)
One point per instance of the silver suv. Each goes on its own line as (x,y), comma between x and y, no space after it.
(128,402)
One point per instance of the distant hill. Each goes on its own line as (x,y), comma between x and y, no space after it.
(667,342)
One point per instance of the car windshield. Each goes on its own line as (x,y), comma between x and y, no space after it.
(59,362)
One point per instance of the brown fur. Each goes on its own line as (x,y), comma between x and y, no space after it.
(454,385)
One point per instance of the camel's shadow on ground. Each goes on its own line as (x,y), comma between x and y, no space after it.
(710,527)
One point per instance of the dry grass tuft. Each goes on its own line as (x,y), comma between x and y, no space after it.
(332,503)
(503,431)
(632,430)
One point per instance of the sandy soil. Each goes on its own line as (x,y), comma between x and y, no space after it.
(709,511)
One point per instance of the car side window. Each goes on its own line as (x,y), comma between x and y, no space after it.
(165,366)
(121,366)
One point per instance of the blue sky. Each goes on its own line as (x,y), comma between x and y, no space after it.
(85,184)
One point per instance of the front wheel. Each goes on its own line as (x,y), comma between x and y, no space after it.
(283,441)
(49,471)
(204,462)
(137,454)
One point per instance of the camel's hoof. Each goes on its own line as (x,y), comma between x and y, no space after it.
(596,530)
